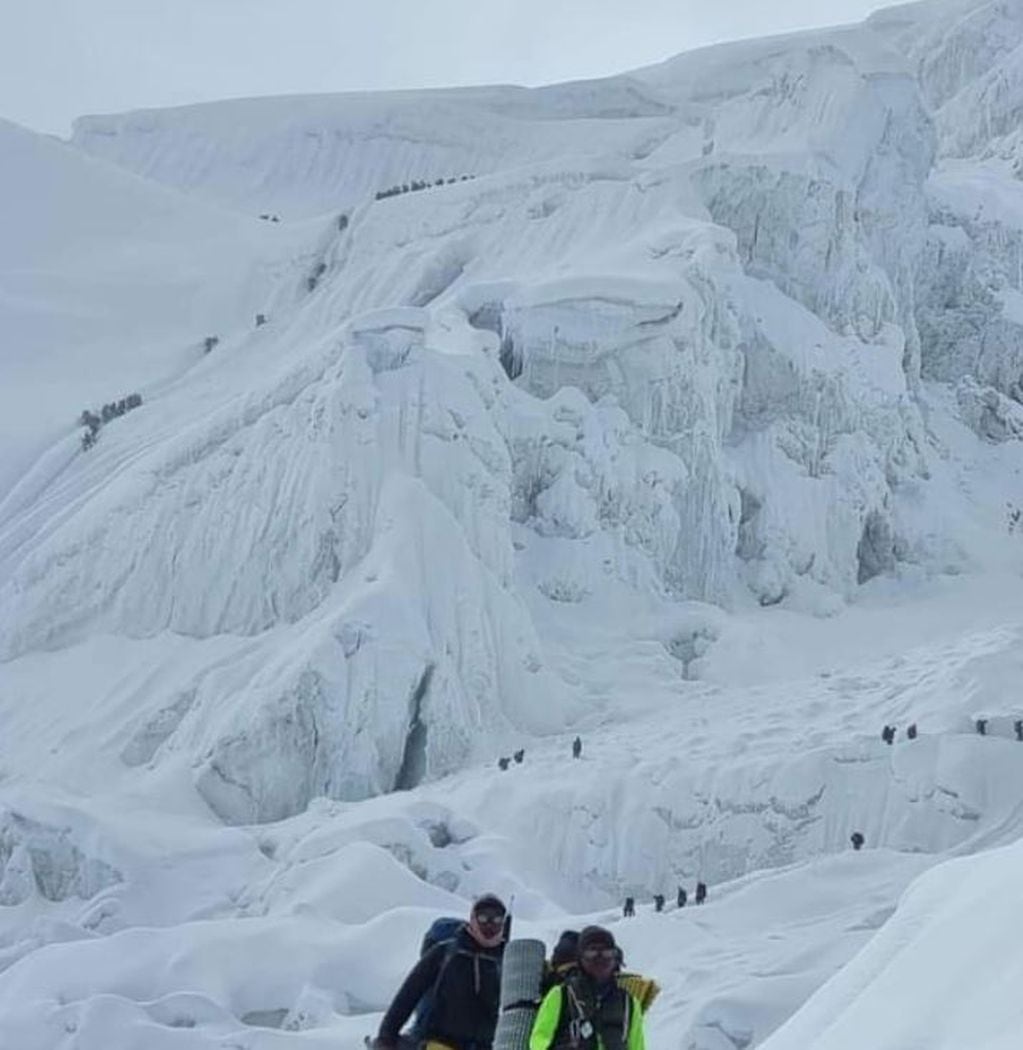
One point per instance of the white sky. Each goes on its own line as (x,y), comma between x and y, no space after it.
(62,58)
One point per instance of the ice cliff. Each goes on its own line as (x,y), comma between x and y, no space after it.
(672,338)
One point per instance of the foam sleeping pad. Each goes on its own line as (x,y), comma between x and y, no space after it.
(514,1027)
(522,973)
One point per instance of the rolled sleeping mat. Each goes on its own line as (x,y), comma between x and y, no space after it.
(514,1027)
(522,972)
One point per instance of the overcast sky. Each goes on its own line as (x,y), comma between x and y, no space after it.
(62,58)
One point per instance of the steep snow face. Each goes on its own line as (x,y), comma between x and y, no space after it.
(109,282)
(968,62)
(952,45)
(729,791)
(305,156)
(917,981)
(669,344)
(363,451)
(971,307)
(842,233)
(659,343)
(973,78)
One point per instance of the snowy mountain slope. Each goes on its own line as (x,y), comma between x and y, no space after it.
(488,248)
(298,931)
(348,654)
(690,423)
(805,97)
(916,982)
(306,977)
(951,44)
(95,266)
(657,318)
(967,65)
(308,155)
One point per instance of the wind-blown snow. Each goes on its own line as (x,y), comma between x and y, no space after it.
(682,409)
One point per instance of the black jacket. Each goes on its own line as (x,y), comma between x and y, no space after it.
(467,977)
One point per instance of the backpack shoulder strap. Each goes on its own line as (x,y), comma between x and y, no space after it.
(451,949)
(425,1009)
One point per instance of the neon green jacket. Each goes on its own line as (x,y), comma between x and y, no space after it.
(546,1024)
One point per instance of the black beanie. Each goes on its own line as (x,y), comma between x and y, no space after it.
(488,900)
(566,950)
(595,937)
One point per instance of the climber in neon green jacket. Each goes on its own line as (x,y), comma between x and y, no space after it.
(589,1011)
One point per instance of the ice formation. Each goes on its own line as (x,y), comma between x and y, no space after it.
(684,408)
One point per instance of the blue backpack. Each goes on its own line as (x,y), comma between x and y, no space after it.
(442,931)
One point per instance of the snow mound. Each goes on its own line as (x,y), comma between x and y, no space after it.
(916,983)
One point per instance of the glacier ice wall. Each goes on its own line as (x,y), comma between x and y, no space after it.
(675,327)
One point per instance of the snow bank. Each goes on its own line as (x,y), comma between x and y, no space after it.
(917,981)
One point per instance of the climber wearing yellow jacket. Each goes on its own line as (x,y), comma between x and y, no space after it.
(589,1011)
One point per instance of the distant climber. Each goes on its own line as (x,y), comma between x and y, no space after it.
(1018,727)
(857,840)
(682,897)
(503,763)
(888,734)
(260,320)
(519,756)
(590,1010)
(460,979)
(629,908)
(911,732)
(701,892)
(981,725)
(658,902)
(577,748)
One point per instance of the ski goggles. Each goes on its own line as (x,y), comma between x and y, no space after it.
(489,918)
(599,954)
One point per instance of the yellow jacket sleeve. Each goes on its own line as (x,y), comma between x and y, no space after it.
(637,1040)
(546,1023)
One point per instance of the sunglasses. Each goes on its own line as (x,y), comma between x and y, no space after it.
(490,918)
(599,954)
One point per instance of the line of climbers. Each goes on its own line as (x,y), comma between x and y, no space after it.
(980,725)
(517,756)
(681,899)
(888,736)
(584,1000)
(114,409)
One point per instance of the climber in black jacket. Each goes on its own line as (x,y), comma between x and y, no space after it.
(463,979)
